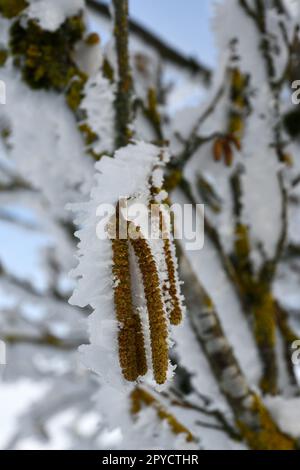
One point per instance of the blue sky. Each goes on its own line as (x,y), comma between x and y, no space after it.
(184,24)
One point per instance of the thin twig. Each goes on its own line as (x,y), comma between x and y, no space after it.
(48,340)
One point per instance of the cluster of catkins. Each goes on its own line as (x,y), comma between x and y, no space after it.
(161,290)
(143,299)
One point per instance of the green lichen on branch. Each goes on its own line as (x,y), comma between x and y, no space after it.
(107,70)
(256,293)
(140,397)
(152,113)
(75,92)
(124,85)
(265,435)
(172,180)
(11,8)
(90,136)
(259,302)
(238,103)
(265,335)
(45,57)
(256,425)
(46,61)
(74,96)
(242,264)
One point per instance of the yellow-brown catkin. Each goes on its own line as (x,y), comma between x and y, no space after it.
(155,306)
(124,310)
(132,353)
(175,314)
(140,397)
(141,359)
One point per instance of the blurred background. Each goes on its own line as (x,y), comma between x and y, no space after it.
(234,139)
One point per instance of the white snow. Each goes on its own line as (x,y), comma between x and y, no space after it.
(50,15)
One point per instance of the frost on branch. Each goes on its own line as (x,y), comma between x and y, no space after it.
(132,283)
(57,146)
(41,58)
(50,15)
(146,418)
(97,104)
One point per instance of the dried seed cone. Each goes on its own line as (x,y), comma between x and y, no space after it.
(218,149)
(236,142)
(155,306)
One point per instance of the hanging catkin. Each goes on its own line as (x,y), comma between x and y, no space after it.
(141,359)
(175,313)
(133,306)
(171,287)
(132,355)
(162,292)
(155,306)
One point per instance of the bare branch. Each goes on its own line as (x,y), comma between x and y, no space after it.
(252,418)
(47,340)
(124,90)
